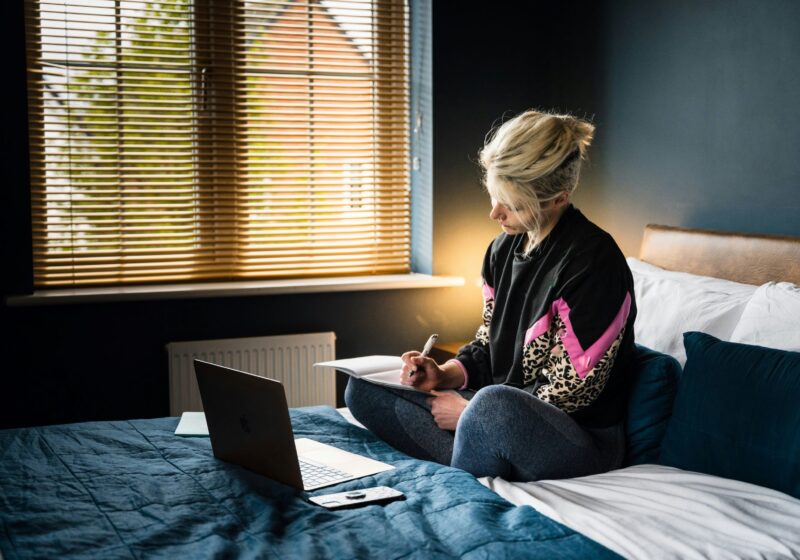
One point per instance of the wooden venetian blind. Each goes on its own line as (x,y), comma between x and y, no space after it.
(188,140)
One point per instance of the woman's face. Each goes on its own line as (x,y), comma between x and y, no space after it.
(510,219)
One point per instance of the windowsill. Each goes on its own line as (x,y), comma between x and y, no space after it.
(234,289)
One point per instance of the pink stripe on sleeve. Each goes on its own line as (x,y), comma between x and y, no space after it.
(584,360)
(488,292)
(463,370)
(539,327)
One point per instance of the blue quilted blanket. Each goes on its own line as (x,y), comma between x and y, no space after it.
(133,489)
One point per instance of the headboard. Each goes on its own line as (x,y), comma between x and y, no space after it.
(747,258)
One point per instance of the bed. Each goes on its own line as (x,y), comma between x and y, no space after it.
(133,489)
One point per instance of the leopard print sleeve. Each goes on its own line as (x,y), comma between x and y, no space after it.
(574,377)
(482,336)
(475,358)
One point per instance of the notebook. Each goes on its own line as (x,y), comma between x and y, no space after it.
(192,424)
(248,422)
(381,370)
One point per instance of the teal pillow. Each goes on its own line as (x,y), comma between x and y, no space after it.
(737,414)
(653,387)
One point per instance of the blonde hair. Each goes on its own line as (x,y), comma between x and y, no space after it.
(532,159)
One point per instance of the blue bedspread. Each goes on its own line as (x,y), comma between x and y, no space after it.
(133,489)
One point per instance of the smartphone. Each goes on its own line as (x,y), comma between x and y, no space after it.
(355,498)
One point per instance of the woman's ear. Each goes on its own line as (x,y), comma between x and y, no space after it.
(561,200)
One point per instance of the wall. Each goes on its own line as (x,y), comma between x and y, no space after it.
(698,118)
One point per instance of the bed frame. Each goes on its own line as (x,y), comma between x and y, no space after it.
(747,258)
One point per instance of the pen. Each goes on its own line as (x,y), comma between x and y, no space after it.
(427,348)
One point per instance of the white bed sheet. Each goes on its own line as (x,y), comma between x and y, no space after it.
(656,512)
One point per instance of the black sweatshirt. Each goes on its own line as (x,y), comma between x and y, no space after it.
(558,322)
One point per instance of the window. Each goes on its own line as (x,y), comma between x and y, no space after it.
(190,140)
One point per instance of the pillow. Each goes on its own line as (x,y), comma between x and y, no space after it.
(736,414)
(653,387)
(771,318)
(670,303)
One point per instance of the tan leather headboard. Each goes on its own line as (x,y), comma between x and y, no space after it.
(747,258)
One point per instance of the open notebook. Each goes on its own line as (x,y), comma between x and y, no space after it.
(381,370)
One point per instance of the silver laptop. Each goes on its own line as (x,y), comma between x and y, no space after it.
(248,421)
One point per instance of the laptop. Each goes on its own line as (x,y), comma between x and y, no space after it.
(248,421)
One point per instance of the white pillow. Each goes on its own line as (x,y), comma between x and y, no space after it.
(771,318)
(670,303)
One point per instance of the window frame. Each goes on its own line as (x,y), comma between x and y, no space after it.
(420,154)
(19,286)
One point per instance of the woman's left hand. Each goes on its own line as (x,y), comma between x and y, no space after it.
(446,408)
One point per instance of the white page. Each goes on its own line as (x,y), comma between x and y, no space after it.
(390,378)
(358,367)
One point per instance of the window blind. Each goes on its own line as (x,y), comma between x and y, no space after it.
(196,140)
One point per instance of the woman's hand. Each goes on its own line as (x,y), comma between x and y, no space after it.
(446,409)
(421,372)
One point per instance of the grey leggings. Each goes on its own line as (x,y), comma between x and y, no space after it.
(504,432)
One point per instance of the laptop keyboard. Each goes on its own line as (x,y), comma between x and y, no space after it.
(314,474)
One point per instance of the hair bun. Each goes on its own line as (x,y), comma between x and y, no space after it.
(581,131)
(532,148)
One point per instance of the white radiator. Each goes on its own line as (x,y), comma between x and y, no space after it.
(287,358)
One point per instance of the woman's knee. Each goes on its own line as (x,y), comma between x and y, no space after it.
(355,392)
(498,407)
(369,403)
(484,408)
(493,400)
(494,394)
(349,392)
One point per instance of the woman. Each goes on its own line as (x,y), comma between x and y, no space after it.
(540,392)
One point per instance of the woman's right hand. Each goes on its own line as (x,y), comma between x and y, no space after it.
(428,374)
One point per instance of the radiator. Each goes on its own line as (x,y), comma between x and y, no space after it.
(287,358)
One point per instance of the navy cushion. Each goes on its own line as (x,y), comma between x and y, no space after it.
(737,414)
(654,384)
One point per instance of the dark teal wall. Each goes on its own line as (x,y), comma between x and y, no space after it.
(698,117)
